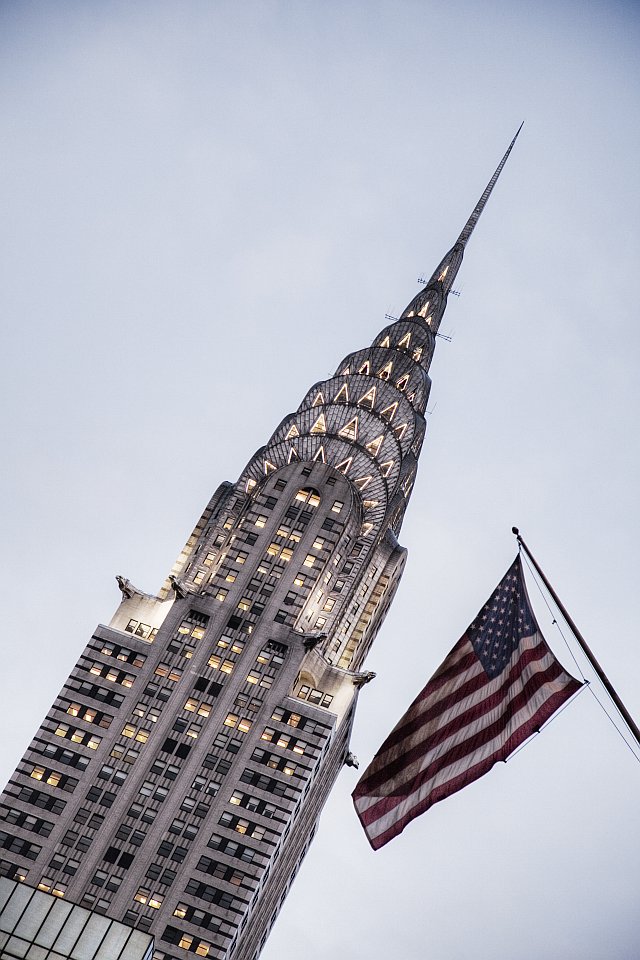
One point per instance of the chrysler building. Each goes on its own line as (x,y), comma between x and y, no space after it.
(177,781)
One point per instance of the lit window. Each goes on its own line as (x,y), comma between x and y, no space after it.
(214,662)
(199,577)
(38,773)
(185,941)
(245,725)
(230,578)
(142,895)
(208,560)
(204,710)
(74,709)
(62,730)
(142,736)
(240,559)
(295,535)
(227,666)
(299,581)
(261,521)
(253,678)
(155,901)
(94,742)
(236,798)
(309,560)
(202,950)
(244,604)
(231,720)
(337,506)
(221,594)
(128,730)
(318,543)
(197,633)
(191,705)
(181,911)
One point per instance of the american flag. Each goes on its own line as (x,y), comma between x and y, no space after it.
(498,685)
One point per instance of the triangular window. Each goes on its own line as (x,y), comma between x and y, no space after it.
(319,455)
(342,396)
(251,484)
(320,426)
(385,373)
(389,412)
(345,466)
(411,396)
(405,342)
(293,432)
(293,455)
(365,368)
(268,466)
(319,400)
(370,504)
(386,467)
(362,482)
(374,446)
(345,372)
(385,342)
(350,430)
(366,529)
(402,382)
(401,430)
(368,399)
(417,354)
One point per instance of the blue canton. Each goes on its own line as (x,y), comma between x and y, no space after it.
(502,623)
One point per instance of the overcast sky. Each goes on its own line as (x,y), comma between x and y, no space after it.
(206,205)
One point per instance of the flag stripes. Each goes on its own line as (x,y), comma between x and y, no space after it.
(465,721)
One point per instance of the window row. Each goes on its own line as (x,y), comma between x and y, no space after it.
(312,695)
(142,630)
(285,741)
(20,847)
(122,653)
(25,820)
(224,872)
(112,674)
(200,918)
(78,736)
(256,805)
(54,778)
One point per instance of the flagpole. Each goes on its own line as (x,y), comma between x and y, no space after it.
(624,713)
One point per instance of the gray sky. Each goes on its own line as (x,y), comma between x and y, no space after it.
(205,207)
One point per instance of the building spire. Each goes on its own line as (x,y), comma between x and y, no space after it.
(482,202)
(432,299)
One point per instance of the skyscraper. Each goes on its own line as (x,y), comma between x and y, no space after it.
(177,781)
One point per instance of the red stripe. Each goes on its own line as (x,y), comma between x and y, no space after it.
(476,771)
(466,747)
(370,781)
